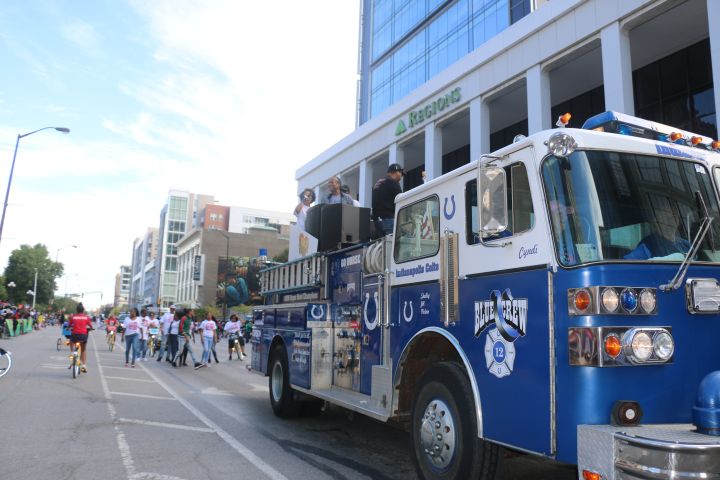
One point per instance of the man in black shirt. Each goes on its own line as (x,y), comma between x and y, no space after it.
(383,199)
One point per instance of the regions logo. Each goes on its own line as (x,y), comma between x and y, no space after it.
(508,316)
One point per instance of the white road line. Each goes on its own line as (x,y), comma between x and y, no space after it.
(254,460)
(141,395)
(119,368)
(131,379)
(122,443)
(166,425)
(50,365)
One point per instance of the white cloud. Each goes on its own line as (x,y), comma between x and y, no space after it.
(82,34)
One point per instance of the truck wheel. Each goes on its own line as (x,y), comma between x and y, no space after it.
(444,428)
(281,395)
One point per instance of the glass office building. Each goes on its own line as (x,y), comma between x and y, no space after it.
(442,82)
(410,41)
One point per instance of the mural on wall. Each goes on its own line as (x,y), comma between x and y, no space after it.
(238,281)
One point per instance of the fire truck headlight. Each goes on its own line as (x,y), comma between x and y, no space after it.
(610,300)
(663,346)
(561,144)
(648,300)
(639,345)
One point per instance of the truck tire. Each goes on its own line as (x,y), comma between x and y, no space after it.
(282,397)
(444,428)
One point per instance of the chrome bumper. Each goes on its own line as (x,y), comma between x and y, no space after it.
(648,452)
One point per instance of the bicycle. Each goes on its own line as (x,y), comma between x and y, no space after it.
(236,346)
(152,344)
(5,362)
(110,338)
(75,359)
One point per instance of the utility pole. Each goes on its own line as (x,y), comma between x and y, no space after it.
(35,288)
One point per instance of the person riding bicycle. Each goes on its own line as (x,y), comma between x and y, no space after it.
(233,329)
(80,324)
(111,325)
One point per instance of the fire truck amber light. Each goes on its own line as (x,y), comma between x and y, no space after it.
(613,346)
(663,346)
(695,140)
(641,346)
(588,475)
(675,136)
(561,144)
(610,300)
(582,300)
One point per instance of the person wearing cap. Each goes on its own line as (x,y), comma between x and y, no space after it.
(383,199)
(165,322)
(335,195)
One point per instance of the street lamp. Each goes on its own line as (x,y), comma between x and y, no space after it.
(62,248)
(30,292)
(12,168)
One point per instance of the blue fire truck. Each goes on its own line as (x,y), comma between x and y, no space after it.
(559,296)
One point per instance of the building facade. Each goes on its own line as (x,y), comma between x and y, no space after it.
(451,80)
(200,252)
(143,282)
(122,286)
(242,219)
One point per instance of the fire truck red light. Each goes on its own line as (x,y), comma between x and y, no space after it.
(588,475)
(582,300)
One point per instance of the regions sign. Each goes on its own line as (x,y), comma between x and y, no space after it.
(416,117)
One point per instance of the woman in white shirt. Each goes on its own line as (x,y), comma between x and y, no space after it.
(132,336)
(144,321)
(307,197)
(232,328)
(173,337)
(209,336)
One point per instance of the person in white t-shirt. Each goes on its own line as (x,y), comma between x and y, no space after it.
(144,321)
(233,329)
(165,322)
(209,336)
(132,335)
(307,197)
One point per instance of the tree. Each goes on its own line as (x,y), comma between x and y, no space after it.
(21,268)
(282,257)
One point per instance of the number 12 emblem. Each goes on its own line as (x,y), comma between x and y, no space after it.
(499,354)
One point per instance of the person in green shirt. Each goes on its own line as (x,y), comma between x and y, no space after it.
(184,340)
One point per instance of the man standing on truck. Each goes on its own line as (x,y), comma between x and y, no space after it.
(383,199)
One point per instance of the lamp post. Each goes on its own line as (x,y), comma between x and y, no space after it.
(57,253)
(227,260)
(34,290)
(12,169)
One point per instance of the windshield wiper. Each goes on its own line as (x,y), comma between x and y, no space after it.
(702,231)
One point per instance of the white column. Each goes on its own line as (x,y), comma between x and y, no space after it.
(433,151)
(617,69)
(538,99)
(713,8)
(365,184)
(479,128)
(396,155)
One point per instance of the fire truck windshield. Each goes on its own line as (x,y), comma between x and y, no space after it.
(612,206)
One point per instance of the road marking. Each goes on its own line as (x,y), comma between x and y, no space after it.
(166,425)
(53,365)
(214,391)
(141,395)
(120,368)
(254,460)
(131,379)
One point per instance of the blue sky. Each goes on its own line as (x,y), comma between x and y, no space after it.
(221,97)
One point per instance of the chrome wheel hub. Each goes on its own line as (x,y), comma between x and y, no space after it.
(437,433)
(277,381)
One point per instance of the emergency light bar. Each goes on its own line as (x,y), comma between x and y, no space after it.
(616,122)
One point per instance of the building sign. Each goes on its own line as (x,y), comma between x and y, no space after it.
(416,117)
(197,268)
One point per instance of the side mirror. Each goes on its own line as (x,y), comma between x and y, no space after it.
(492,200)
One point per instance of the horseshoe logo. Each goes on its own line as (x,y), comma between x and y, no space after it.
(371,324)
(317,312)
(406,316)
(450,215)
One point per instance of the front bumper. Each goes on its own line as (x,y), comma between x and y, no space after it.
(648,452)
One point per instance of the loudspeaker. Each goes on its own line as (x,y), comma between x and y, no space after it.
(313,220)
(341,225)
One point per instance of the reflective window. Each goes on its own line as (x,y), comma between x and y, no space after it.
(417,230)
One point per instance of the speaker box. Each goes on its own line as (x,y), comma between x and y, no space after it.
(341,225)
(313,219)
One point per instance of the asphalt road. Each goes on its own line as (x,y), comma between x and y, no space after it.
(155,422)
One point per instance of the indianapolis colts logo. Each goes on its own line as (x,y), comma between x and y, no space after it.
(370,310)
(317,312)
(407,311)
(451,213)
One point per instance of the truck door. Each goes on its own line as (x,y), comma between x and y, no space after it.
(505,311)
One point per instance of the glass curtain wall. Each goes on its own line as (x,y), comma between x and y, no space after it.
(413,40)
(176,223)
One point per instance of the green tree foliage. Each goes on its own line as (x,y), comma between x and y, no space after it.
(20,270)
(282,257)
(63,304)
